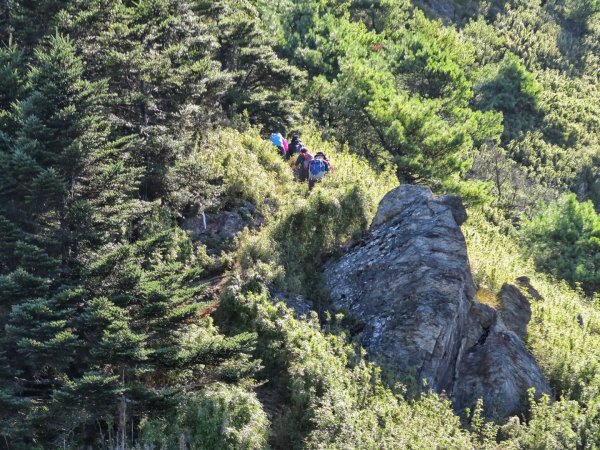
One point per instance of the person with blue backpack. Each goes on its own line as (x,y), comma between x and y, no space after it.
(317,169)
(279,141)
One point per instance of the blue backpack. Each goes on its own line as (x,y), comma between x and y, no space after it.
(317,169)
(277,139)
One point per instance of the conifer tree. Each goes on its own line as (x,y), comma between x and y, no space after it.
(30,20)
(64,187)
(41,166)
(12,86)
(158,58)
(261,80)
(102,290)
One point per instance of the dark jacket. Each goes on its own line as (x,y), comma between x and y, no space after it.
(295,146)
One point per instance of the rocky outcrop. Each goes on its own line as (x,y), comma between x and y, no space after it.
(515,312)
(409,282)
(442,9)
(216,229)
(298,303)
(495,364)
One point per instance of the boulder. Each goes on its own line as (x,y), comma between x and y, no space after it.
(515,312)
(525,283)
(499,369)
(299,304)
(409,282)
(221,227)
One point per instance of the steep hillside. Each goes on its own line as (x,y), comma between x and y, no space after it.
(162,272)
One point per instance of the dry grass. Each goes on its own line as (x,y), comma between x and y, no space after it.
(488,297)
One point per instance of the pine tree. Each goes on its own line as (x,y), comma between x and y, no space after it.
(262,81)
(30,20)
(103,291)
(158,58)
(12,86)
(48,197)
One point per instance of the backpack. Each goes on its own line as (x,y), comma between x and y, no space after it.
(294,147)
(308,158)
(317,169)
(277,139)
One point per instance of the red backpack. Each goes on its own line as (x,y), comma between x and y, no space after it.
(307,159)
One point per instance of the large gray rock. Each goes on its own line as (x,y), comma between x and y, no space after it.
(443,9)
(409,282)
(497,368)
(217,229)
(515,312)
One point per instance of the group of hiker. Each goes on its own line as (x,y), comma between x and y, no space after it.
(306,166)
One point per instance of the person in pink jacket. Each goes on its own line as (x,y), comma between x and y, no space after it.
(285,146)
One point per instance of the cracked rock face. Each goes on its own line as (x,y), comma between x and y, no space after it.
(409,283)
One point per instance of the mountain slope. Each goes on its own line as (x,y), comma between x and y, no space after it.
(122,123)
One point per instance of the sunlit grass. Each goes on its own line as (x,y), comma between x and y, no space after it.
(488,297)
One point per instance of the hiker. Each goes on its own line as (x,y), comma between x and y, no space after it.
(318,167)
(286,147)
(303,163)
(277,140)
(295,145)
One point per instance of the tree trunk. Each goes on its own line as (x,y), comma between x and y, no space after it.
(122,431)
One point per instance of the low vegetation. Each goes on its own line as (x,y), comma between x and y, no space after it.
(121,120)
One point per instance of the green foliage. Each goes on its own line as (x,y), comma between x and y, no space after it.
(508,87)
(262,82)
(563,335)
(513,191)
(431,60)
(554,166)
(247,168)
(413,131)
(565,240)
(224,418)
(307,31)
(553,425)
(118,119)
(530,31)
(549,132)
(158,58)
(12,81)
(29,21)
